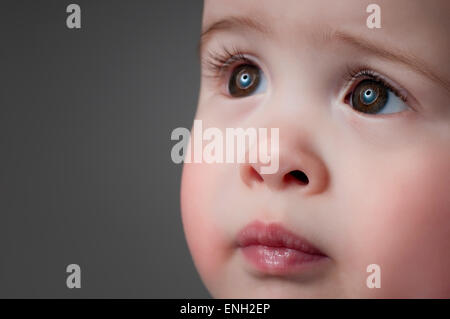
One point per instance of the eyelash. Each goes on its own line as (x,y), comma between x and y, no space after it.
(220,63)
(357,74)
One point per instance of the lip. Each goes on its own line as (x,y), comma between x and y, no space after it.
(272,249)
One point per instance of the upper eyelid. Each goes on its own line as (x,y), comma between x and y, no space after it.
(236,61)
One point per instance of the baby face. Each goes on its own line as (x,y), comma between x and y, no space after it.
(364,150)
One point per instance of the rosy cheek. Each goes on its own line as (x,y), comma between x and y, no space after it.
(417,197)
(407,226)
(203,235)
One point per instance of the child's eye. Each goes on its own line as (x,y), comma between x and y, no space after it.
(373,96)
(240,74)
(245,80)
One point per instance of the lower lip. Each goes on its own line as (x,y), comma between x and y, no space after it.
(279,260)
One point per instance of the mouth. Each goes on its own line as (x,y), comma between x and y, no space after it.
(272,249)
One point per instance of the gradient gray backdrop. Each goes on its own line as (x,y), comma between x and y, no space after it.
(85,170)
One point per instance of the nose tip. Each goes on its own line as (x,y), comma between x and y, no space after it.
(250,175)
(306,174)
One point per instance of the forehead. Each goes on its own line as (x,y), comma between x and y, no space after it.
(398,13)
(420,27)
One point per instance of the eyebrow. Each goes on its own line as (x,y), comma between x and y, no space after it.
(238,23)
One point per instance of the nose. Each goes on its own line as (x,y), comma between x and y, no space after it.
(299,168)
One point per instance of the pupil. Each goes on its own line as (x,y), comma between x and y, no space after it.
(369,96)
(245,79)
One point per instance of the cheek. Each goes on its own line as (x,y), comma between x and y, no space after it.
(204,236)
(404,225)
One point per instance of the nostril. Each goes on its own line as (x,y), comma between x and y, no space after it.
(253,174)
(249,175)
(297,177)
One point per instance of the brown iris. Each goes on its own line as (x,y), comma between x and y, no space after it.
(244,80)
(369,96)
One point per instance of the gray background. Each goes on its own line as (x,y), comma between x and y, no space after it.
(85,170)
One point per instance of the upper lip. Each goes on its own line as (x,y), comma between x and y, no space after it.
(274,235)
